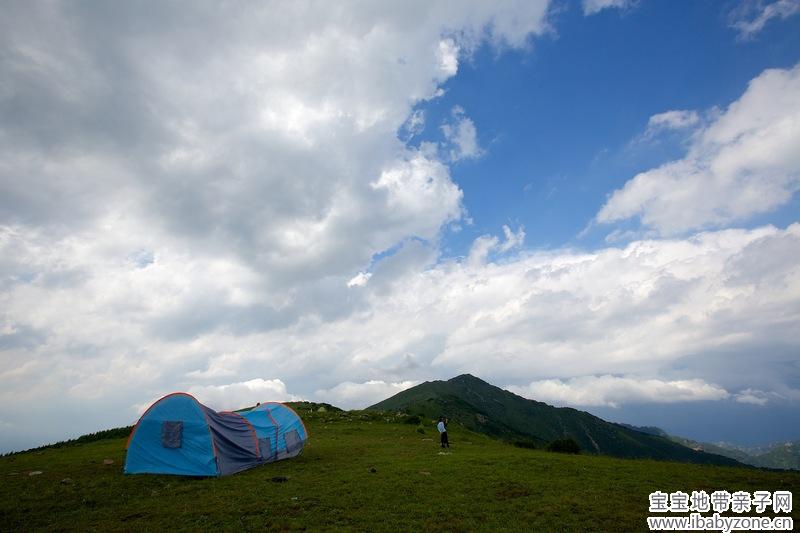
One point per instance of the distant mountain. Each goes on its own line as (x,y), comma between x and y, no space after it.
(784,455)
(482,407)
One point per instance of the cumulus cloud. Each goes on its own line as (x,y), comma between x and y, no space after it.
(234,396)
(512,239)
(678,312)
(671,120)
(752,396)
(415,124)
(186,194)
(590,7)
(761,397)
(644,310)
(648,309)
(612,391)
(419,197)
(180,183)
(743,163)
(486,244)
(461,137)
(750,17)
(359,280)
(350,395)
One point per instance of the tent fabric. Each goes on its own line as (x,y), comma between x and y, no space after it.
(196,455)
(179,435)
(266,431)
(281,427)
(235,441)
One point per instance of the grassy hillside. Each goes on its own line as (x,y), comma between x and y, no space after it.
(484,408)
(362,471)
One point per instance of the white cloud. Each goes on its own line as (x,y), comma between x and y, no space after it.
(448,57)
(480,249)
(745,162)
(461,137)
(751,16)
(621,236)
(641,310)
(415,123)
(486,244)
(671,120)
(360,279)
(419,196)
(299,110)
(349,395)
(761,397)
(199,191)
(636,310)
(234,396)
(590,7)
(219,366)
(612,391)
(513,240)
(178,202)
(753,396)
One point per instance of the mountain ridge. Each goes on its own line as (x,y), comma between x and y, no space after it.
(782,455)
(485,408)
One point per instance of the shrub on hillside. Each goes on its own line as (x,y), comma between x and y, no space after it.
(413,419)
(564,446)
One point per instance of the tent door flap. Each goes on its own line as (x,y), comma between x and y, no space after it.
(171,434)
(293,442)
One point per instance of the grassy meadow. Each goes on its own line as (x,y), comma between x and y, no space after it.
(360,471)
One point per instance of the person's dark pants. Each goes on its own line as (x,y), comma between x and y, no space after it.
(445,442)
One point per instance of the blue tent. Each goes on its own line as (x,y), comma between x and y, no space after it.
(280,430)
(179,435)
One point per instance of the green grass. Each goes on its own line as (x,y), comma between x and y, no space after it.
(483,484)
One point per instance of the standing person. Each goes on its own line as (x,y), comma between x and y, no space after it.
(442,427)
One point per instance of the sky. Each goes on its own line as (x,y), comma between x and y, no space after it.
(590,203)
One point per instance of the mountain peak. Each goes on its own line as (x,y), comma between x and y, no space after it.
(466,377)
(485,408)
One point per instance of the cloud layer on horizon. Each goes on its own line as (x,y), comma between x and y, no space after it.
(611,391)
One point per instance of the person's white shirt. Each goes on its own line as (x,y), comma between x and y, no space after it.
(440,427)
